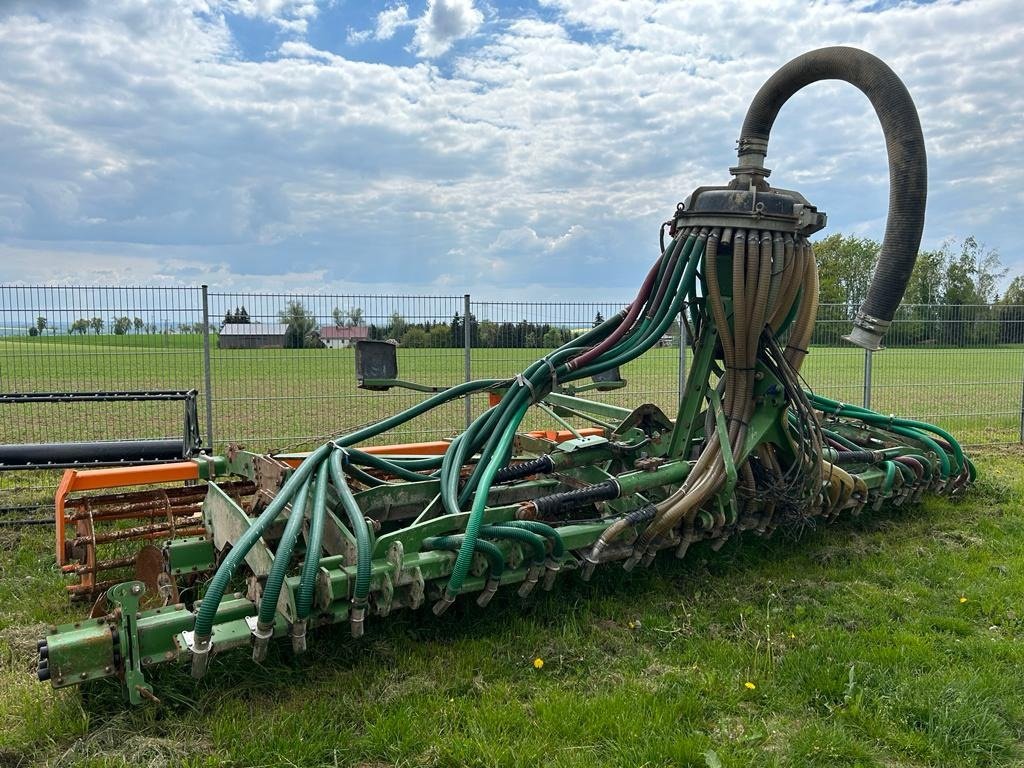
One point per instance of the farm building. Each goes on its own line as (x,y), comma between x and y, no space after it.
(340,338)
(252,336)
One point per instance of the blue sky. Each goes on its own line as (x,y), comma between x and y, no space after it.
(510,150)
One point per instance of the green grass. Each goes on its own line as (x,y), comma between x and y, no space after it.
(856,638)
(284,398)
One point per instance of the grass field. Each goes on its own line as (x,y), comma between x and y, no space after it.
(894,639)
(282,398)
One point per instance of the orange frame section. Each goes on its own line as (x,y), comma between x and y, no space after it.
(179,471)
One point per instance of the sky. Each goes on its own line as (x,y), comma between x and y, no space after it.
(512,150)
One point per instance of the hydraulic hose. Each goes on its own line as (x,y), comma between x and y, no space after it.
(360,528)
(908,168)
(282,559)
(215,592)
(310,565)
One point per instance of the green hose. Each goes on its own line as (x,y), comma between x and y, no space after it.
(906,427)
(542,529)
(307,579)
(215,592)
(283,558)
(408,414)
(495,557)
(360,528)
(465,558)
(377,462)
(535,542)
(890,477)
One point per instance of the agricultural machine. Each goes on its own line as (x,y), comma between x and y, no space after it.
(256,548)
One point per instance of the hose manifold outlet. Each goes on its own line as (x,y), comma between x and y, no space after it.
(867,331)
(261,635)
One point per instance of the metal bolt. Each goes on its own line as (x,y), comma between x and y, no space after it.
(169,655)
(146,660)
(108,669)
(136,589)
(84,675)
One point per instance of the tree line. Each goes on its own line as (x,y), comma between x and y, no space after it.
(952,299)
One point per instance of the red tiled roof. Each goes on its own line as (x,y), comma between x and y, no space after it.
(331,333)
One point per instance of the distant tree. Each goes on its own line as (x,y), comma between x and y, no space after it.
(456,332)
(440,335)
(138,324)
(415,337)
(41,324)
(33,331)
(598,319)
(80,326)
(488,332)
(339,317)
(96,324)
(151,328)
(302,327)
(398,326)
(1011,313)
(121,325)
(552,339)
(355,316)
(845,264)
(238,317)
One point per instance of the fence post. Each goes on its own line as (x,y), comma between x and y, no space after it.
(1022,409)
(684,342)
(468,354)
(866,397)
(207,378)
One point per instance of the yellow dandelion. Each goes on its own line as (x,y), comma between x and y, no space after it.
(963,599)
(749,686)
(538,663)
(792,636)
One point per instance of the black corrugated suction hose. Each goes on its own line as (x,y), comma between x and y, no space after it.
(908,167)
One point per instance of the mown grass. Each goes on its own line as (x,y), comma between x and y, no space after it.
(893,639)
(276,398)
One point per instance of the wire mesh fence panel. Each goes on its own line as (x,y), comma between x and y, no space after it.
(508,336)
(833,367)
(283,374)
(283,366)
(960,367)
(65,339)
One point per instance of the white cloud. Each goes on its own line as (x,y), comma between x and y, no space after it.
(134,131)
(444,22)
(288,15)
(390,20)
(441,25)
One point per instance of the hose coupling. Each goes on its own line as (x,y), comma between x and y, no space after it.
(488,592)
(590,560)
(297,631)
(648,558)
(201,649)
(551,570)
(261,635)
(630,563)
(532,577)
(356,618)
(683,548)
(444,603)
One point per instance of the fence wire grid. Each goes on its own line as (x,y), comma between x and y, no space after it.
(277,371)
